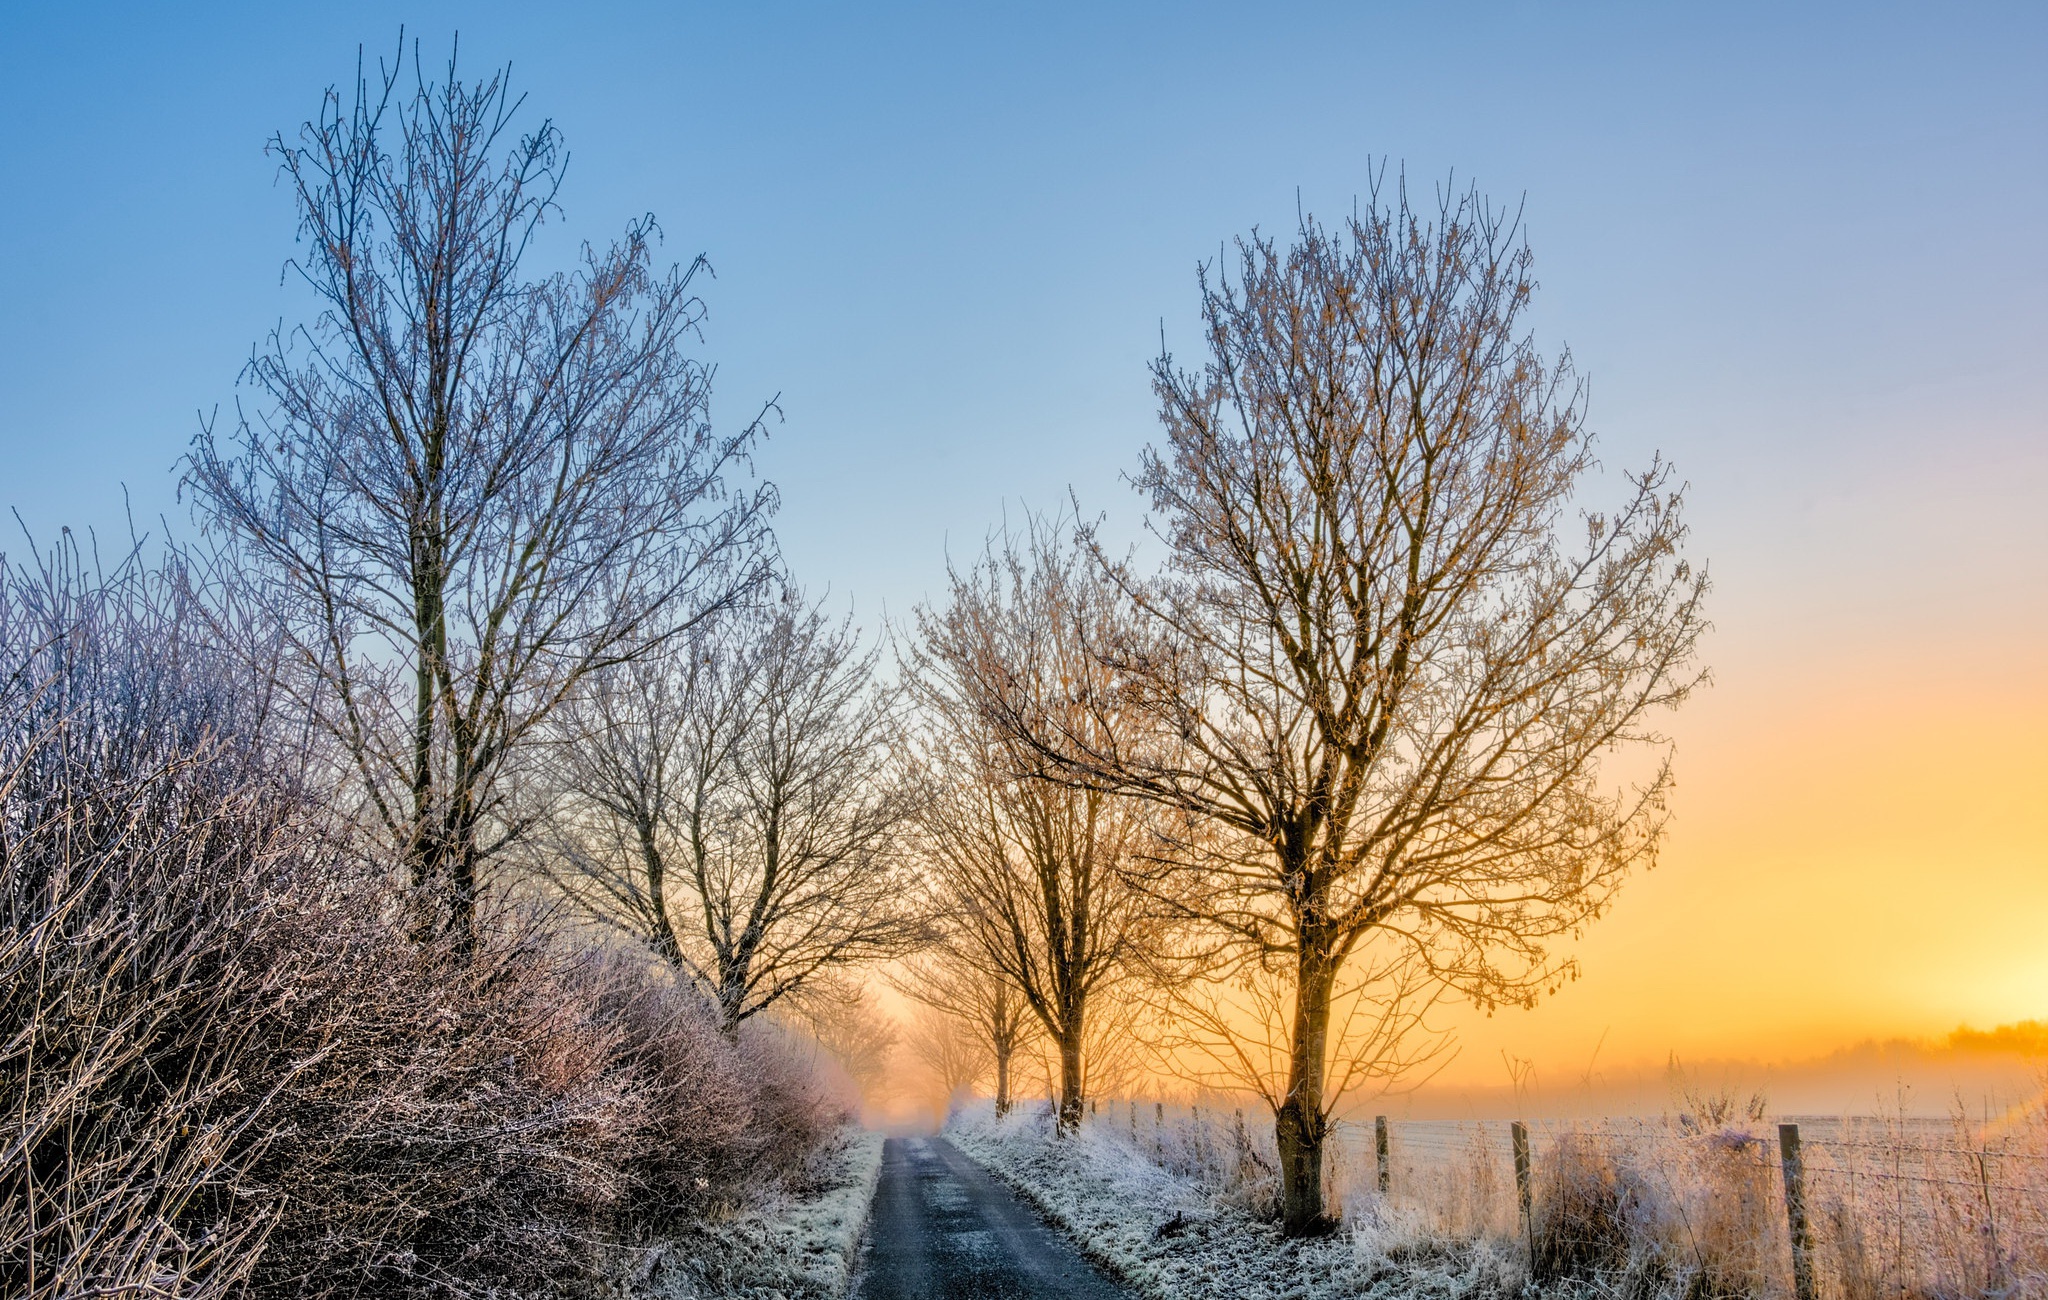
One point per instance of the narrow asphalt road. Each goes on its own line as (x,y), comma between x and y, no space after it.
(944,1230)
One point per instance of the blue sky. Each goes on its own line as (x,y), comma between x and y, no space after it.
(1798,248)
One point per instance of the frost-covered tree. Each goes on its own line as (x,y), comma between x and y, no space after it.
(1390,649)
(737,806)
(468,488)
(1030,870)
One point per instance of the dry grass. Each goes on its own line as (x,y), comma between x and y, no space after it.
(1918,1209)
(1897,1209)
(1687,1208)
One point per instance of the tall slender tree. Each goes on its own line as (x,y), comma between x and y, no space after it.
(957,980)
(468,489)
(1031,870)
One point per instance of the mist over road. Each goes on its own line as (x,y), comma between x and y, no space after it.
(944,1230)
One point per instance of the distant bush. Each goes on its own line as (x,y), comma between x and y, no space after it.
(225,1067)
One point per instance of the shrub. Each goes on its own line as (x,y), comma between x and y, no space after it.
(136,839)
(724,1115)
(1581,1227)
(1657,1213)
(225,1068)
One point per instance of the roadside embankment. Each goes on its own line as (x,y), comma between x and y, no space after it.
(798,1244)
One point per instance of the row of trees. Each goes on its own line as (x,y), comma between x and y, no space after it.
(1338,755)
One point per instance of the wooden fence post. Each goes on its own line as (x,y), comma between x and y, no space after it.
(1379,1146)
(1795,1211)
(1523,1197)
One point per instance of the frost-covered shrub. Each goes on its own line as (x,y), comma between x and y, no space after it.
(1581,1222)
(450,1120)
(801,1100)
(226,1066)
(698,1144)
(725,1117)
(1732,1219)
(140,843)
(1654,1211)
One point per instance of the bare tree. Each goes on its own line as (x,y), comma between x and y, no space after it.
(844,1021)
(468,490)
(736,806)
(955,980)
(1387,673)
(1032,869)
(949,1050)
(1229,1026)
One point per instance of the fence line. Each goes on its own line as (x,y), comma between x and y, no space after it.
(1884,1208)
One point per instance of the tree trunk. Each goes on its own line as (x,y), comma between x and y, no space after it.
(462,898)
(1070,1078)
(434,850)
(1002,1081)
(1300,1127)
(460,849)
(732,999)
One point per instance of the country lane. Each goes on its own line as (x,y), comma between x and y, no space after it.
(942,1229)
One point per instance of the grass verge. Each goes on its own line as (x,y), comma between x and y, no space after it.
(797,1244)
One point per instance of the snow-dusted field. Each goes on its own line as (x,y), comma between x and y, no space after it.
(1115,1201)
(789,1248)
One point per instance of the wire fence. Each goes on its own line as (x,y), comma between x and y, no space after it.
(1802,1207)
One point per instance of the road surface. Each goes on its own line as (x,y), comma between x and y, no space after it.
(944,1230)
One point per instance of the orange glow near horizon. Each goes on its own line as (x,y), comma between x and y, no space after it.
(1854,856)
(1859,850)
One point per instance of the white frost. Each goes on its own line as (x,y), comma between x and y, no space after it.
(1113,1200)
(789,1247)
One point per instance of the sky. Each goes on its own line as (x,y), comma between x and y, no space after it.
(1798,249)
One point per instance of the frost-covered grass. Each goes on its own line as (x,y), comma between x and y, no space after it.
(1661,1208)
(800,1244)
(1172,1237)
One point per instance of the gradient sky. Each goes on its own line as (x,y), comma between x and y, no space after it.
(1801,249)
